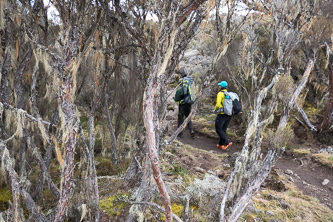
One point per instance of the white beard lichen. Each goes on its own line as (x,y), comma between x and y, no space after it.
(42,129)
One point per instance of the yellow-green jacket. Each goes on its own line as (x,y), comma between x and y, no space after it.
(220,100)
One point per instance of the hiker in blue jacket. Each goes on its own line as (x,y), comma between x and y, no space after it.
(222,121)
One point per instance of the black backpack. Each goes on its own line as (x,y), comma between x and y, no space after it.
(236,107)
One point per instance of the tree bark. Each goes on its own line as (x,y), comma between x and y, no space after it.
(328,116)
(70,139)
(90,184)
(5,69)
(134,171)
(115,159)
(144,192)
(153,147)
(71,126)
(305,118)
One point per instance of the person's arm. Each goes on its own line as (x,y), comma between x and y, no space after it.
(178,95)
(219,101)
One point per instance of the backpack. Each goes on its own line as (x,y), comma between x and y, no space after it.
(188,96)
(232,105)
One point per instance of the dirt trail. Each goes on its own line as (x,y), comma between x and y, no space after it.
(307,175)
(303,172)
(209,144)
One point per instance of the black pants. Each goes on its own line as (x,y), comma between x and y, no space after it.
(221,124)
(184,111)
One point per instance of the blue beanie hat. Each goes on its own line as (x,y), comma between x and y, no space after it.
(224,84)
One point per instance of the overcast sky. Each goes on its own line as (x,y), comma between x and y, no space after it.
(53,14)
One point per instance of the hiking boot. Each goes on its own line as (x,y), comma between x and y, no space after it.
(192,134)
(180,135)
(220,146)
(227,146)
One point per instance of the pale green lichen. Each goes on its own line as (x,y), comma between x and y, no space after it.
(112,205)
(62,118)
(83,211)
(135,210)
(43,131)
(209,186)
(20,114)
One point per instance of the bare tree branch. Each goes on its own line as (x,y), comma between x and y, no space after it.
(17,186)
(305,117)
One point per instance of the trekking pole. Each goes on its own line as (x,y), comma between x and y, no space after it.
(206,112)
(174,90)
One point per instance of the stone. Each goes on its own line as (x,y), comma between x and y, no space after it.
(330,149)
(297,177)
(200,170)
(284,204)
(289,172)
(305,183)
(226,165)
(169,154)
(325,182)
(290,179)
(272,197)
(270,213)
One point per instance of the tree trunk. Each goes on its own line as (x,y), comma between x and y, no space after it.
(115,159)
(19,104)
(70,139)
(144,193)
(5,69)
(134,171)
(328,116)
(71,126)
(149,113)
(91,176)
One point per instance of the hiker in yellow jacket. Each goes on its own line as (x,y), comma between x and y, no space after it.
(222,121)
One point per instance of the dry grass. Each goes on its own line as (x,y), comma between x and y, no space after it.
(302,152)
(324,158)
(301,207)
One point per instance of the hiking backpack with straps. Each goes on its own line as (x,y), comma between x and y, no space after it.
(188,96)
(232,105)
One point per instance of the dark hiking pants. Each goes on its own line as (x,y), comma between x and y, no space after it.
(221,124)
(184,111)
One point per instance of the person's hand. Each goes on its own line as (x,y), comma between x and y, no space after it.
(214,111)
